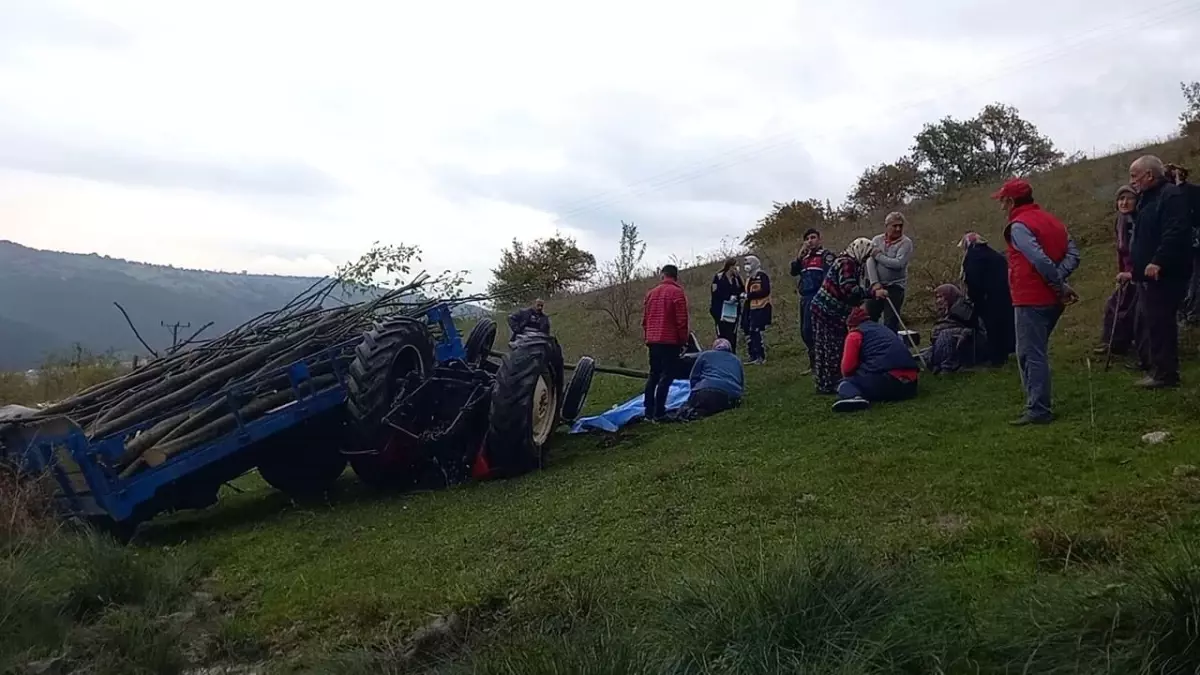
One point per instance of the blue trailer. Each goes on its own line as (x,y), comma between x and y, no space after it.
(403,401)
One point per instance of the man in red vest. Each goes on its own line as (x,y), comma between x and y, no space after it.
(665,325)
(1041,255)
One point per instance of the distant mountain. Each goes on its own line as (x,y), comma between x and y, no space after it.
(51,300)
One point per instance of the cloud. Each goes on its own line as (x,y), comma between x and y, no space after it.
(275,136)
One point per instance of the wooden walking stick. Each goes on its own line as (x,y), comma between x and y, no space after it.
(1113,328)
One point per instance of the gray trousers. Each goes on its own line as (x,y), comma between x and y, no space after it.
(1034,325)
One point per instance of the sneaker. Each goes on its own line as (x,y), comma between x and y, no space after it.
(851,404)
(1151,382)
(1026,420)
(1100,350)
(806,372)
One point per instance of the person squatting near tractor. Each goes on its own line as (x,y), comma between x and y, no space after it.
(876,365)
(756,316)
(1162,267)
(1117,330)
(1041,257)
(888,269)
(532,319)
(665,329)
(809,268)
(843,289)
(725,302)
(985,276)
(718,382)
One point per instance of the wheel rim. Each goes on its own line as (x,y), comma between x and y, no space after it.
(544,407)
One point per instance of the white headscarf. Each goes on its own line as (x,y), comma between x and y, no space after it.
(753,265)
(860,249)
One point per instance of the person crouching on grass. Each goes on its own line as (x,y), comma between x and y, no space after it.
(718,382)
(876,366)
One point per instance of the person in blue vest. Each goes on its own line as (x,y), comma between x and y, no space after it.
(809,268)
(876,365)
(718,382)
(757,314)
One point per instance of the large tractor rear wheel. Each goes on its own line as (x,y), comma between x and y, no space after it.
(390,355)
(480,342)
(304,461)
(525,406)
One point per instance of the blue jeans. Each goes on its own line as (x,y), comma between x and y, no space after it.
(1034,325)
(806,325)
(876,387)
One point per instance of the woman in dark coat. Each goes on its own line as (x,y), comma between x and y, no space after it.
(985,274)
(1117,331)
(956,341)
(757,313)
(726,285)
(844,288)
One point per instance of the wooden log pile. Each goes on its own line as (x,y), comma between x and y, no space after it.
(182,400)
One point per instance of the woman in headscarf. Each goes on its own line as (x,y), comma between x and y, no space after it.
(718,383)
(1117,331)
(956,342)
(985,275)
(756,315)
(727,286)
(844,289)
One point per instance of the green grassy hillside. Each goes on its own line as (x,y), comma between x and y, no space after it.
(922,537)
(1081,194)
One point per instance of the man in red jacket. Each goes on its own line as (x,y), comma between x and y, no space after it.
(665,326)
(1041,255)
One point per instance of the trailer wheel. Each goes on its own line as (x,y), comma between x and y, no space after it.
(305,461)
(388,353)
(480,341)
(525,406)
(577,389)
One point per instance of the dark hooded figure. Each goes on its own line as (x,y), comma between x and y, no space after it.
(985,275)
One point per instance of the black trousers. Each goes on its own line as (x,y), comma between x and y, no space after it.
(877,308)
(703,403)
(662,371)
(727,330)
(1157,331)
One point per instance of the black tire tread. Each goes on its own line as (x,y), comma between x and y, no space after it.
(510,435)
(480,341)
(370,374)
(575,394)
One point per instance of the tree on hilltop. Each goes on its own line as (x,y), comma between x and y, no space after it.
(994,144)
(1189,119)
(787,221)
(542,268)
(885,187)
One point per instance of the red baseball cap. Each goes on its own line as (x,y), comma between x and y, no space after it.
(1014,188)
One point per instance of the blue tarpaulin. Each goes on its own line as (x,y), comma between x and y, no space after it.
(620,415)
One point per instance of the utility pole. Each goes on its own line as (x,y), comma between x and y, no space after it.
(174,328)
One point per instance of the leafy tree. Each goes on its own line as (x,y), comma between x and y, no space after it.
(787,221)
(886,186)
(994,144)
(392,266)
(541,269)
(1189,119)
(617,298)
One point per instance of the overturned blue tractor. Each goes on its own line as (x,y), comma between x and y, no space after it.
(389,388)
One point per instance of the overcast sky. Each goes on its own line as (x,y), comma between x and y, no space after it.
(285,137)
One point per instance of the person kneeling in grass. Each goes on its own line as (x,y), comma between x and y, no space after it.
(717,383)
(876,365)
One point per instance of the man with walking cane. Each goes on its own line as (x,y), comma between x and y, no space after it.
(1117,331)
(1041,256)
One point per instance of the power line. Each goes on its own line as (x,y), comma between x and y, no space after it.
(174,328)
(746,152)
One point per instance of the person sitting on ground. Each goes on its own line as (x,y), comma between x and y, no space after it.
(1116,334)
(531,319)
(876,365)
(718,382)
(956,342)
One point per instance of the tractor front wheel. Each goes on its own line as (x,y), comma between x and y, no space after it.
(525,407)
